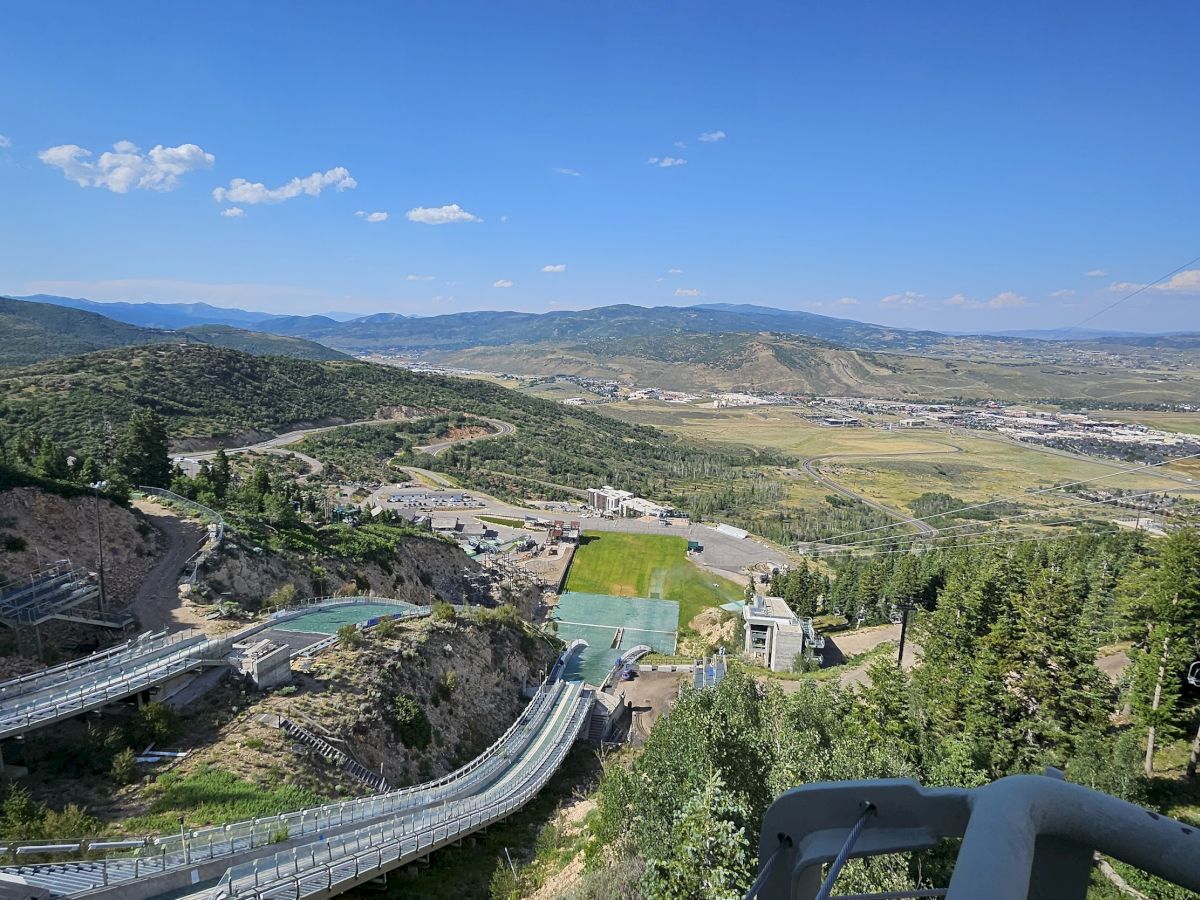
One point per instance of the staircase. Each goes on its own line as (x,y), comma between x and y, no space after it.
(333,755)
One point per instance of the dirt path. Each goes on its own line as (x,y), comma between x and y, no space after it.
(156,603)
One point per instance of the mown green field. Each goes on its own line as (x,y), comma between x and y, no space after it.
(647,565)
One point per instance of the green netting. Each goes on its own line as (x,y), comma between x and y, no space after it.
(328,621)
(595,618)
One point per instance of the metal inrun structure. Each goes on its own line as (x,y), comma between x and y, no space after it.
(1025,837)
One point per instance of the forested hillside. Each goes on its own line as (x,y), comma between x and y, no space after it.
(31,332)
(204,393)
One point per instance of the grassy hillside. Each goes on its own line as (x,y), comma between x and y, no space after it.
(31,332)
(206,392)
(791,364)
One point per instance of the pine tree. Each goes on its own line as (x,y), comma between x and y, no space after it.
(142,456)
(1163,596)
(220,475)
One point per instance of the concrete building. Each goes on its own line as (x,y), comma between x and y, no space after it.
(607,499)
(775,636)
(637,506)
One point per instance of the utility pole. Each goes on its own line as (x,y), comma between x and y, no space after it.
(904,611)
(97,487)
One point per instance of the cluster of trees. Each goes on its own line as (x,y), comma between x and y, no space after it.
(1008,683)
(803,587)
(135,454)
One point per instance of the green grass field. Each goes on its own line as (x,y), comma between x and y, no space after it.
(647,565)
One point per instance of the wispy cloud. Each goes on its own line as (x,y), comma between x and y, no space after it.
(1096,273)
(1186,282)
(1063,292)
(666,162)
(554,268)
(711,137)
(674,271)
(233,212)
(688,292)
(253,192)
(1003,300)
(372,216)
(847,301)
(571,172)
(502,283)
(126,167)
(908,298)
(441,215)
(418,278)
(682,145)
(4,141)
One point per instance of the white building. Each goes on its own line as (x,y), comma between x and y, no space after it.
(608,499)
(775,636)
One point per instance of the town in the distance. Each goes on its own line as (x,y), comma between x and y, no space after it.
(624,451)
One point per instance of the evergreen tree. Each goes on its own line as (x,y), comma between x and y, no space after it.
(142,456)
(220,475)
(1163,596)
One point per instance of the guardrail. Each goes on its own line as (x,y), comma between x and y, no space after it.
(158,855)
(44,678)
(332,866)
(196,509)
(74,699)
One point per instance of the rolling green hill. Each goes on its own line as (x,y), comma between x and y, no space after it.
(791,364)
(31,332)
(206,392)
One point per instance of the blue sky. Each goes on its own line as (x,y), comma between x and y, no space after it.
(929,165)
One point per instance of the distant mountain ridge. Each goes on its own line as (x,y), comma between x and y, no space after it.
(31,332)
(170,316)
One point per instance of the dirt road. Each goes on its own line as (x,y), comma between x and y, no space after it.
(156,603)
(503,429)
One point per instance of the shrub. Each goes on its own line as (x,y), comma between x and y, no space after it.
(443,612)
(124,767)
(283,596)
(350,637)
(411,725)
(14,543)
(386,628)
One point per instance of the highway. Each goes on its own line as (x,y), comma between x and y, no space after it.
(503,429)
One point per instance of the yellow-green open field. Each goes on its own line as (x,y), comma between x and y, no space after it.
(1186,423)
(895,467)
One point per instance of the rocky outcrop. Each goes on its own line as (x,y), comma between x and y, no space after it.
(423,570)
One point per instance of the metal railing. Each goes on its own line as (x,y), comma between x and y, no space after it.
(46,678)
(1022,836)
(332,866)
(158,855)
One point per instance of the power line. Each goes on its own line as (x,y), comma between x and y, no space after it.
(1129,296)
(984,525)
(962,509)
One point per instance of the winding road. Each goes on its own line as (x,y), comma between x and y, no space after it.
(923,528)
(280,442)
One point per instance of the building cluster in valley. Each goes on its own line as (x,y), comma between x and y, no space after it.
(610,501)
(1074,431)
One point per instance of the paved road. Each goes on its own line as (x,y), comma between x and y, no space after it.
(503,429)
(923,528)
(158,596)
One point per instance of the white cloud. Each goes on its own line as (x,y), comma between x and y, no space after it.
(441,215)
(1062,292)
(125,167)
(848,301)
(665,162)
(233,212)
(572,172)
(502,283)
(504,218)
(674,271)
(4,141)
(373,216)
(1186,282)
(1096,273)
(682,145)
(687,292)
(1003,300)
(555,267)
(418,278)
(251,192)
(908,298)
(711,137)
